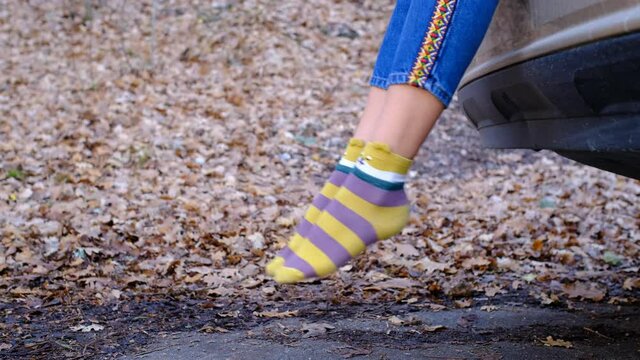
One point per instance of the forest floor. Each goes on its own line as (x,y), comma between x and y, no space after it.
(154,160)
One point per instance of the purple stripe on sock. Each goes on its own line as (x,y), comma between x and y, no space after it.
(337,177)
(374,194)
(285,252)
(320,201)
(296,262)
(356,223)
(338,254)
(303,227)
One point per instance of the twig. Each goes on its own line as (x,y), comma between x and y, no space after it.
(151,351)
(597,333)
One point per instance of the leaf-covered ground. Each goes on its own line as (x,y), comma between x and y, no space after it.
(169,149)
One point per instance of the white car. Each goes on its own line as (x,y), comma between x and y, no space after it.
(560,75)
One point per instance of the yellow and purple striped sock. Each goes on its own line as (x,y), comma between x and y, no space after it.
(371,205)
(320,201)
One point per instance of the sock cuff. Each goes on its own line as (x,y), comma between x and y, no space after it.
(351,154)
(379,156)
(354,148)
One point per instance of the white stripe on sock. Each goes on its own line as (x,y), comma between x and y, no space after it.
(347,163)
(388,176)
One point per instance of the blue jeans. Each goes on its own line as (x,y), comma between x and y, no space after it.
(430,43)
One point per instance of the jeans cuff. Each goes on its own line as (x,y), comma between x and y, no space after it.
(431,85)
(379,82)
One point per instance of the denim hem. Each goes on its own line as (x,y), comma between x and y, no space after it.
(379,82)
(431,86)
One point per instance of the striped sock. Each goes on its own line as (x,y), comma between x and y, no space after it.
(320,201)
(371,205)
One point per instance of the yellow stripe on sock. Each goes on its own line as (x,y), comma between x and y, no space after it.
(295,241)
(379,156)
(329,190)
(312,214)
(342,234)
(354,149)
(315,257)
(387,221)
(274,265)
(287,275)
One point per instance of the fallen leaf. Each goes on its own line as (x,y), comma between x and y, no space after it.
(315,329)
(548,299)
(631,283)
(436,307)
(5,346)
(475,262)
(276,314)
(394,320)
(584,291)
(397,321)
(398,283)
(463,303)
(557,343)
(87,328)
(407,250)
(491,291)
(612,258)
(537,244)
(488,308)
(348,352)
(232,314)
(257,240)
(213,329)
(432,328)
(429,266)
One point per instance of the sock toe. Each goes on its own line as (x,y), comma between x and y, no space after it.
(273,265)
(287,275)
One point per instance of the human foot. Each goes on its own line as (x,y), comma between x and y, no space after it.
(337,177)
(371,205)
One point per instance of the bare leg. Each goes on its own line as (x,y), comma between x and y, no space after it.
(368,122)
(406,119)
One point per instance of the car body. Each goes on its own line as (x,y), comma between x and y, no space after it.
(563,76)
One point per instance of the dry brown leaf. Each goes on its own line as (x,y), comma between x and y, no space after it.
(231,314)
(213,329)
(436,307)
(429,266)
(276,314)
(492,291)
(631,283)
(584,291)
(398,283)
(397,321)
(268,290)
(463,303)
(87,328)
(489,308)
(315,329)
(432,328)
(407,250)
(475,262)
(557,343)
(548,299)
(537,244)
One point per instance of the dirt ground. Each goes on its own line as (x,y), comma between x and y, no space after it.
(508,332)
(154,158)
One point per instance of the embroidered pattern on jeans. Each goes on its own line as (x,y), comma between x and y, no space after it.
(432,42)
